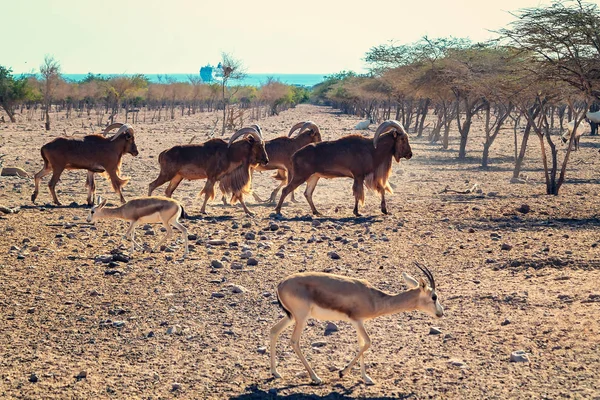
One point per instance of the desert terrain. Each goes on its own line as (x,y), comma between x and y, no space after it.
(80,317)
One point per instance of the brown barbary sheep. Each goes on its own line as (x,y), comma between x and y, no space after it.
(210,160)
(367,161)
(280,152)
(94,153)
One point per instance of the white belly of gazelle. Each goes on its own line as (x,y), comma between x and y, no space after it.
(324,314)
(150,219)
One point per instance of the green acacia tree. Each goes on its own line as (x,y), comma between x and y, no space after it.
(12,91)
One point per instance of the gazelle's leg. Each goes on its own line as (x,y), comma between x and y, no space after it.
(275,332)
(130,234)
(300,324)
(166,236)
(363,370)
(184,232)
(362,333)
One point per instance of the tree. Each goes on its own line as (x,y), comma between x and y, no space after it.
(12,90)
(232,69)
(560,44)
(50,71)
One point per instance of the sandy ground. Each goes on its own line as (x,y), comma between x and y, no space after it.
(162,327)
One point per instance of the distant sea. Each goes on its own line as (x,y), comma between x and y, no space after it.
(250,80)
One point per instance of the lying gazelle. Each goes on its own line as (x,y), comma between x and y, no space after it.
(338,298)
(144,210)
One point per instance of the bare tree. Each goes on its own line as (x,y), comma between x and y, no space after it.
(232,69)
(50,71)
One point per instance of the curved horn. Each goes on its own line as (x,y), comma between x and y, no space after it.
(111,127)
(257,128)
(296,127)
(244,132)
(122,129)
(386,127)
(308,125)
(427,274)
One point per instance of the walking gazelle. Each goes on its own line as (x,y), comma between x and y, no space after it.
(337,298)
(144,210)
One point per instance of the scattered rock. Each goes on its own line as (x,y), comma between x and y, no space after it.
(33,378)
(118,324)
(330,328)
(216,264)
(262,350)
(238,289)
(216,242)
(333,255)
(246,254)
(455,362)
(172,330)
(316,223)
(524,209)
(519,356)
(319,343)
(81,375)
(175,387)
(252,262)
(506,246)
(505,322)
(434,330)
(217,295)
(236,265)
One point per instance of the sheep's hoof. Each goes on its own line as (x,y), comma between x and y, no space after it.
(316,381)
(368,380)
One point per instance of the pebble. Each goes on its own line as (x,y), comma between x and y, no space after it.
(506,246)
(172,330)
(34,248)
(280,254)
(262,350)
(330,328)
(524,209)
(146,227)
(175,387)
(216,242)
(519,356)
(217,295)
(273,226)
(316,223)
(149,232)
(238,289)
(246,254)
(250,236)
(20,257)
(319,343)
(505,322)
(434,330)
(236,265)
(246,225)
(81,375)
(216,264)
(33,378)
(14,248)
(252,262)
(333,255)
(456,362)
(118,324)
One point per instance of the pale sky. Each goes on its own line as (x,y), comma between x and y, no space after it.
(303,36)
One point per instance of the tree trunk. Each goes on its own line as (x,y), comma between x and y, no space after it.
(47,117)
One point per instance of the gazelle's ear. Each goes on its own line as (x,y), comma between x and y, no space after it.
(410,281)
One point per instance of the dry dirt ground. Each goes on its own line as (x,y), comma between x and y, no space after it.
(162,327)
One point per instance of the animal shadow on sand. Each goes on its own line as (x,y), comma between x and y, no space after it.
(343,393)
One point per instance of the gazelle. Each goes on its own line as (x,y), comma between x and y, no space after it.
(144,210)
(333,297)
